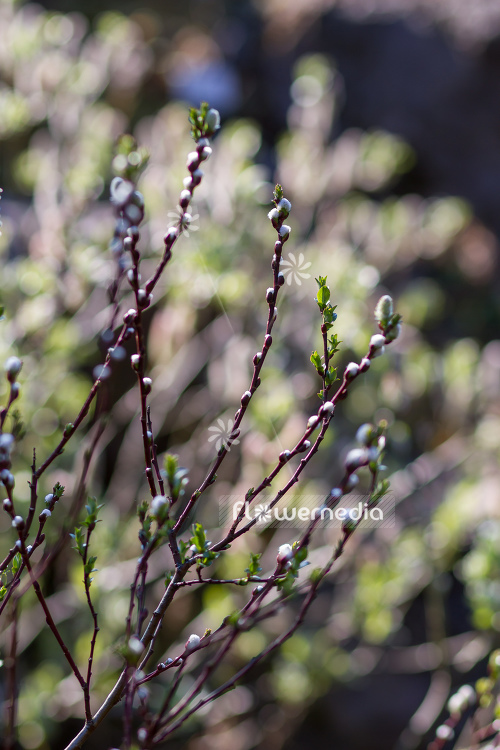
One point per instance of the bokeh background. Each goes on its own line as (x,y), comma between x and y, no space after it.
(381,119)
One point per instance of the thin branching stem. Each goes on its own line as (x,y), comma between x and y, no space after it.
(87,581)
(11,702)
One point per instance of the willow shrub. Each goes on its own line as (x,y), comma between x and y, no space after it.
(158,692)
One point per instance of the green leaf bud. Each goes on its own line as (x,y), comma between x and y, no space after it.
(212,121)
(384,310)
(393,333)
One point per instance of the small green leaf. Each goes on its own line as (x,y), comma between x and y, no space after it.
(331,376)
(16,563)
(316,576)
(92,509)
(333,345)
(316,360)
(199,539)
(80,543)
(380,490)
(323,296)
(254,568)
(58,490)
(232,619)
(171,462)
(329,314)
(183,548)
(300,555)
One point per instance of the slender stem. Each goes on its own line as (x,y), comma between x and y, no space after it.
(326,360)
(11,703)
(87,582)
(40,537)
(127,710)
(169,697)
(154,457)
(70,430)
(33,497)
(49,619)
(244,670)
(255,382)
(5,410)
(116,693)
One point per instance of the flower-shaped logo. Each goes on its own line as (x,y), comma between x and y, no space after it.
(293,269)
(185,220)
(262,513)
(222,435)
